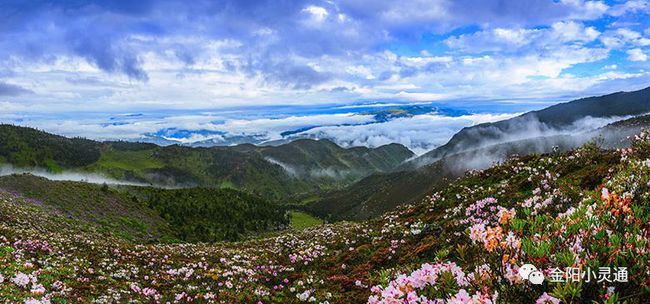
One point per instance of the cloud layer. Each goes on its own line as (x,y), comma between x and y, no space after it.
(96,56)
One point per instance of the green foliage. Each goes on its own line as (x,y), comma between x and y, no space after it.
(29,147)
(98,204)
(302,220)
(319,165)
(209,215)
(147,214)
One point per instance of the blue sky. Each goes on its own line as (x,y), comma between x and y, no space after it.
(68,66)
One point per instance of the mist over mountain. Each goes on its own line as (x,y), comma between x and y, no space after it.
(337,182)
(274,172)
(420,126)
(608,120)
(577,116)
(85,177)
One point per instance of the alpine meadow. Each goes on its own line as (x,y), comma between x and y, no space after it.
(312,151)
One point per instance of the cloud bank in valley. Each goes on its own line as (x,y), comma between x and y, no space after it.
(92,178)
(419,133)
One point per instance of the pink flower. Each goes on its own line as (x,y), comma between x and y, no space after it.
(512,241)
(547,299)
(412,297)
(477,233)
(461,297)
(38,289)
(148,292)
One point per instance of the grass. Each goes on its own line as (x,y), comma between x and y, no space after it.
(129,160)
(301,220)
(226,184)
(310,199)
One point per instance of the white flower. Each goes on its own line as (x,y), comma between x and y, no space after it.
(38,289)
(303,296)
(416,228)
(604,194)
(21,280)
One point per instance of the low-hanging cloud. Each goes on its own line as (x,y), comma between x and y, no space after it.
(419,133)
(480,147)
(312,173)
(85,177)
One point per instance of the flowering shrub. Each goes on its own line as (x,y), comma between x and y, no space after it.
(435,281)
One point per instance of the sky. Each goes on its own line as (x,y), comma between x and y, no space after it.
(215,70)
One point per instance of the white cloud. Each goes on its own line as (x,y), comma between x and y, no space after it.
(514,39)
(360,71)
(318,14)
(530,57)
(631,6)
(419,133)
(425,60)
(421,96)
(586,9)
(623,36)
(636,55)
(267,128)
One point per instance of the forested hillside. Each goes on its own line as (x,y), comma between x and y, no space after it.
(147,214)
(381,192)
(277,173)
(32,148)
(208,215)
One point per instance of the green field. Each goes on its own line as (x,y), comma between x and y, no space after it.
(128,160)
(301,220)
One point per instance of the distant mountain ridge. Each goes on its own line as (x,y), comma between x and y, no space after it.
(331,181)
(559,116)
(273,172)
(480,146)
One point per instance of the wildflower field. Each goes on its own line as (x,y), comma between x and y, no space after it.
(587,209)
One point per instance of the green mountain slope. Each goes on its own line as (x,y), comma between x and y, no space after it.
(148,214)
(379,193)
(323,159)
(558,116)
(91,203)
(276,173)
(32,148)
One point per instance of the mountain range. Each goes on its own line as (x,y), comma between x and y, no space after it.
(562,127)
(273,172)
(325,179)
